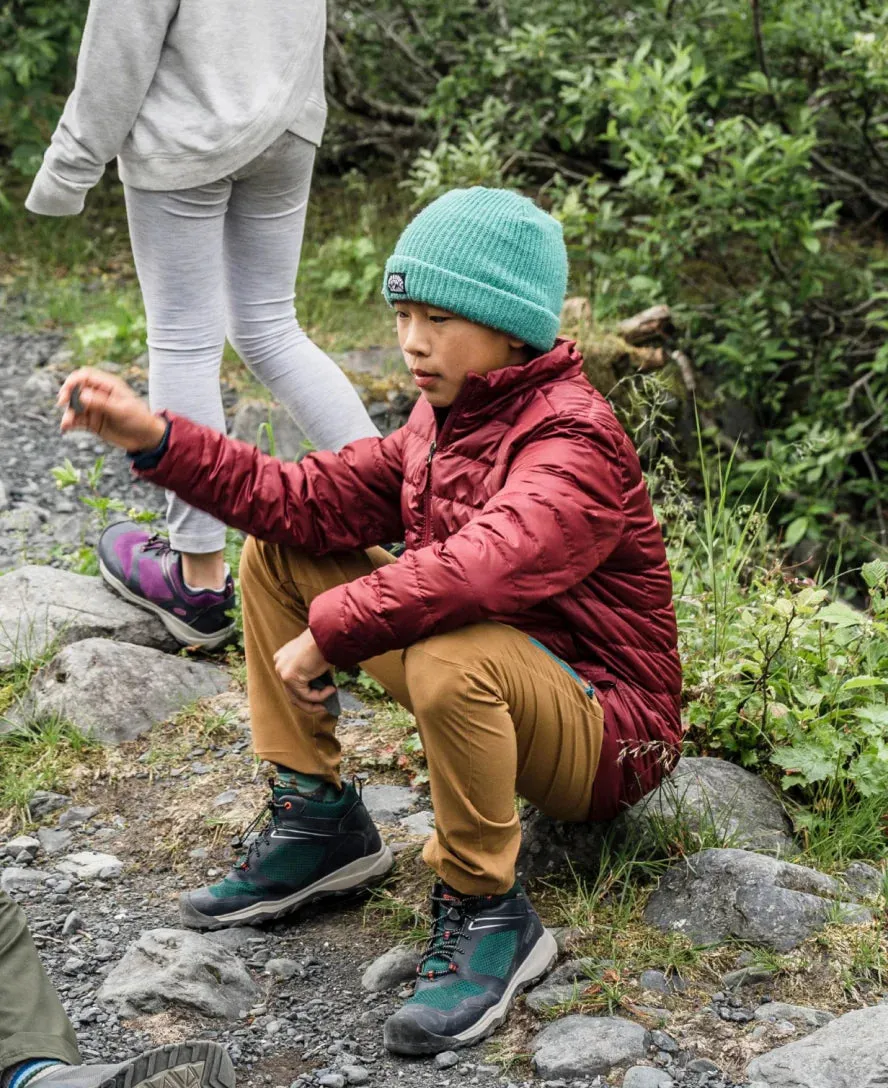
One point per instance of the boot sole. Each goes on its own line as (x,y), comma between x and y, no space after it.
(358,874)
(180,631)
(539,962)
(184,1065)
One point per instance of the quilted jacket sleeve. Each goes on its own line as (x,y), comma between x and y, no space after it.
(328,502)
(556,518)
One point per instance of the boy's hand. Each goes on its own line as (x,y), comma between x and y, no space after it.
(109,408)
(297,663)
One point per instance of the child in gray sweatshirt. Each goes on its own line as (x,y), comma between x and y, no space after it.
(214,110)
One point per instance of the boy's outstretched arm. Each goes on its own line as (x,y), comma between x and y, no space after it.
(328,502)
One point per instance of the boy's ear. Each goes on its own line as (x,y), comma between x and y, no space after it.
(515,343)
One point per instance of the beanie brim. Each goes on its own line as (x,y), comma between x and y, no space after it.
(422,282)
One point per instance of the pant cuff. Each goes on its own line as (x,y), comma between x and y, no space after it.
(28,1047)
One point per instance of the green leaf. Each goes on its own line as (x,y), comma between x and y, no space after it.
(857,682)
(795,531)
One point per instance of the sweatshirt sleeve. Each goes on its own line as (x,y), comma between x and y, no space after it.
(558,516)
(121,46)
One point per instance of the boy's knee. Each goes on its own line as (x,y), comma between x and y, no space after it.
(432,667)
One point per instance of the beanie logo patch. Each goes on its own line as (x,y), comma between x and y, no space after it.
(397,283)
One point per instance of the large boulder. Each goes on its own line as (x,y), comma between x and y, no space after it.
(584,1046)
(174,967)
(113,691)
(851,1052)
(40,606)
(713,802)
(722,895)
(703,802)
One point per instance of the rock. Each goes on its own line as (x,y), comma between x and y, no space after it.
(174,967)
(332,1080)
(549,846)
(419,823)
(41,605)
(779,1010)
(746,976)
(282,968)
(89,865)
(91,684)
(712,799)
(702,1065)
(446,1059)
(42,802)
(77,815)
(233,939)
(849,1052)
(719,895)
(387,804)
(355,1074)
(714,802)
(14,879)
(549,995)
(54,842)
(583,1046)
(4,496)
(289,440)
(228,797)
(660,983)
(646,1076)
(22,844)
(73,924)
(865,881)
(391,968)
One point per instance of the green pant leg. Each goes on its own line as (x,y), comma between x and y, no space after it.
(33,1023)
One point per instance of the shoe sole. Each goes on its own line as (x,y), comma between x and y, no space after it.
(180,631)
(350,878)
(538,962)
(183,1065)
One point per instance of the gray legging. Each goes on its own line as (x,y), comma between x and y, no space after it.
(223,258)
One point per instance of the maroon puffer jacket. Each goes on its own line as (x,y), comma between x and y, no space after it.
(529,508)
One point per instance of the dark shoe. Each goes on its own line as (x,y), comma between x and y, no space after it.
(482,952)
(307,849)
(179,1065)
(146,571)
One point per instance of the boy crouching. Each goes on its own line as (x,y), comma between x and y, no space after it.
(528,625)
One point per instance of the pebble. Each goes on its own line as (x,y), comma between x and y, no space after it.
(72,924)
(355,1074)
(446,1059)
(332,1080)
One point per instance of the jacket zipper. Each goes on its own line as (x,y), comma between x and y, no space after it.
(427,498)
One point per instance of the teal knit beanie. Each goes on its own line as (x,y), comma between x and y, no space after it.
(490,255)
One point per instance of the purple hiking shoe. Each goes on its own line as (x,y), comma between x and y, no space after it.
(145,570)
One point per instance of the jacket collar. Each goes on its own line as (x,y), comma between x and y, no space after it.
(481,395)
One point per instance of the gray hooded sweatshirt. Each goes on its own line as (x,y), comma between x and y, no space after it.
(183,92)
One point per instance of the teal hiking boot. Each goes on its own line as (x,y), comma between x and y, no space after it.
(483,951)
(308,848)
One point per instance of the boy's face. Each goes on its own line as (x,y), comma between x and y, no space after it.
(440,349)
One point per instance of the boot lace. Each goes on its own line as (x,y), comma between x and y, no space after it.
(256,849)
(452,913)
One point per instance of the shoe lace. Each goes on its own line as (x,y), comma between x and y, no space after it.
(257,847)
(452,913)
(156,543)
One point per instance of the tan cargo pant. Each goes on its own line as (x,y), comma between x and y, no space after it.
(496,712)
